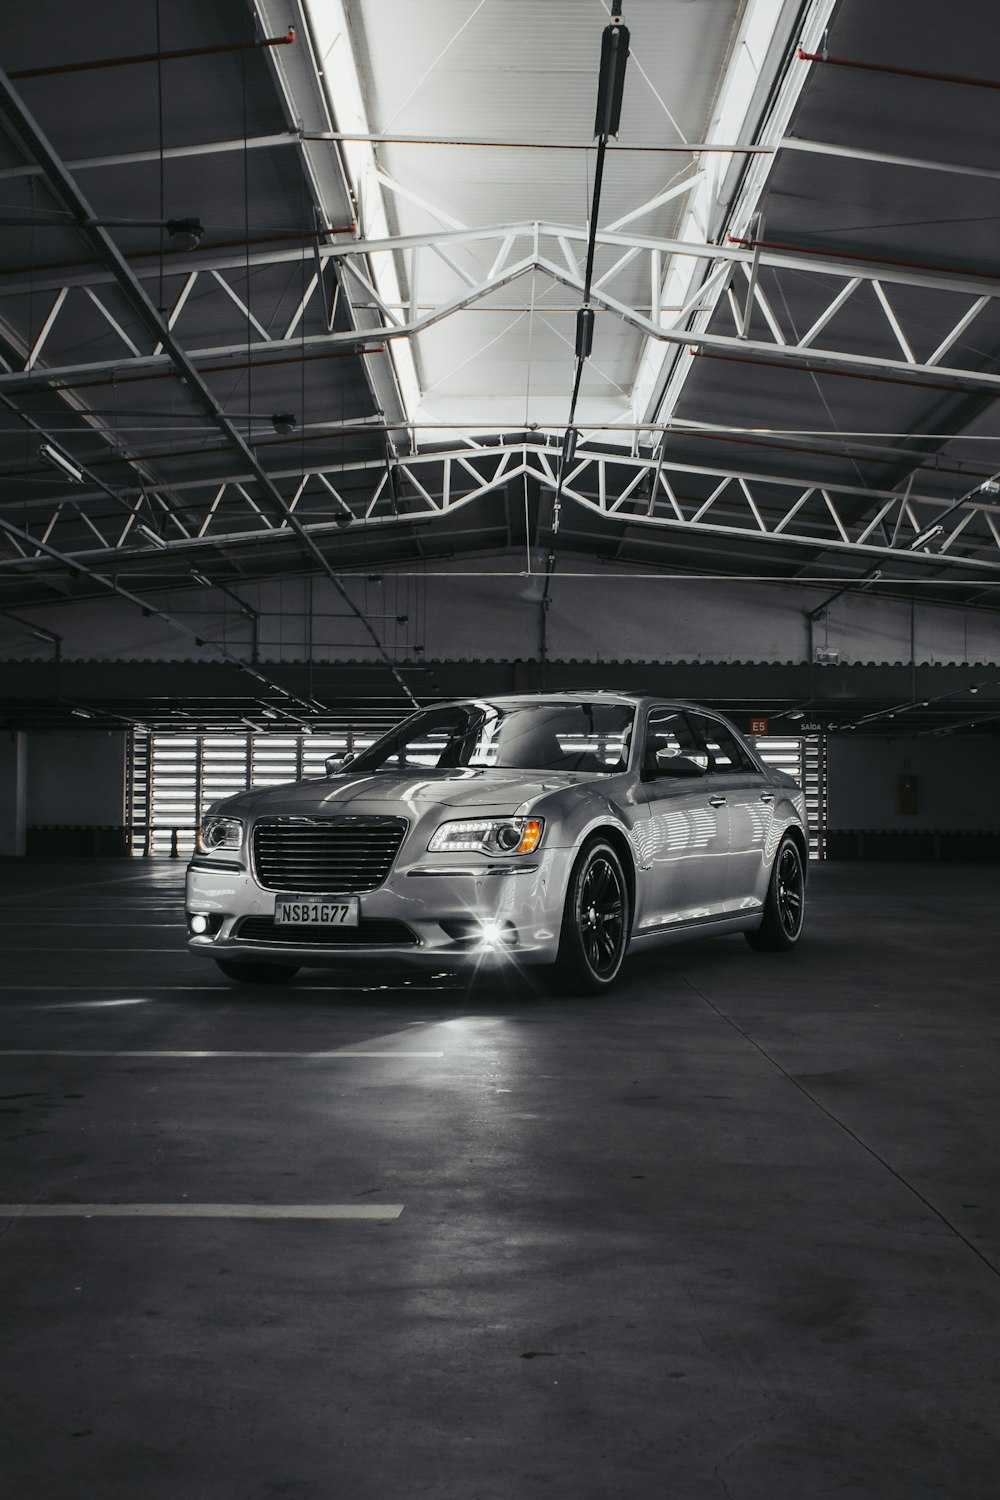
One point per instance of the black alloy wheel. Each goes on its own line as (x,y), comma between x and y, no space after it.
(251,972)
(784,907)
(596,922)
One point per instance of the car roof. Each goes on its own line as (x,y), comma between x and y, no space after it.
(581,695)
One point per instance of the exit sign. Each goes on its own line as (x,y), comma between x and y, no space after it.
(758,726)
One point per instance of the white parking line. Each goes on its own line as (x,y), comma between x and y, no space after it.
(200,1210)
(82,1005)
(156,889)
(222,988)
(119,1052)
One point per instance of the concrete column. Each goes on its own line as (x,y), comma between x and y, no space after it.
(13,792)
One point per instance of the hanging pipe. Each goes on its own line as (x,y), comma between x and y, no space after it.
(869,67)
(157,57)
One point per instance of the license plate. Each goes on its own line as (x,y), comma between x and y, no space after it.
(344,912)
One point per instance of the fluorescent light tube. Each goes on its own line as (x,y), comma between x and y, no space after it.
(51,455)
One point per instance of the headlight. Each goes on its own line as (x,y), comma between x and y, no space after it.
(220,833)
(488,836)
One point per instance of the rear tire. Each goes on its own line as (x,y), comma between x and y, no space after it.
(784,907)
(251,972)
(597,921)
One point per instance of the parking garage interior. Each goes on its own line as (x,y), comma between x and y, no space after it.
(351,363)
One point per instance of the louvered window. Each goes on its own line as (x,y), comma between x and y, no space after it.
(803,757)
(175,778)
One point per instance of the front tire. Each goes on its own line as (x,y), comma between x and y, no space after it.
(784,907)
(596,922)
(249,972)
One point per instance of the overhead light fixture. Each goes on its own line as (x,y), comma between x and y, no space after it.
(81,713)
(154,536)
(925,537)
(284,422)
(185,234)
(268,713)
(344,517)
(206,583)
(57,460)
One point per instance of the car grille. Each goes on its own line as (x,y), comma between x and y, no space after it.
(335,856)
(371,932)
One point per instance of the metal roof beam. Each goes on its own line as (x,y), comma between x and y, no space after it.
(169,153)
(34,143)
(839,268)
(301,82)
(881,158)
(940,376)
(730,203)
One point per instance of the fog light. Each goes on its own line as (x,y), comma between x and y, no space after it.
(199,923)
(494,934)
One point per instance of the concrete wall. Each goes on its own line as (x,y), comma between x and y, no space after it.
(490,610)
(958,782)
(76,779)
(13,794)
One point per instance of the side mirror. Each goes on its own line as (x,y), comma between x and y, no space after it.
(677,765)
(337,763)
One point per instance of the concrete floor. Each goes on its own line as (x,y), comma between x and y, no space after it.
(732,1231)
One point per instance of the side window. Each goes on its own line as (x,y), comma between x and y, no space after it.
(725,753)
(668,730)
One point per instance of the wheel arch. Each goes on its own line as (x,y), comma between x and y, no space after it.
(622,845)
(801,841)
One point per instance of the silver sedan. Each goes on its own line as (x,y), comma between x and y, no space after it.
(562,830)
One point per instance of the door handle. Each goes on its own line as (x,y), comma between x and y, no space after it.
(767,796)
(716,801)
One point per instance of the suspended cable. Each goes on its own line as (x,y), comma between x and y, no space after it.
(610,88)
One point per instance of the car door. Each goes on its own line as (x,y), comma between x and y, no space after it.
(750,805)
(683,836)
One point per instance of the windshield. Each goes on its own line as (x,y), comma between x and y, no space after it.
(564,736)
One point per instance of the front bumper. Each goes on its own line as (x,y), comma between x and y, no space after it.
(441,912)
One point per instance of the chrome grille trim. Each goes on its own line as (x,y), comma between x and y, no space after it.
(342,855)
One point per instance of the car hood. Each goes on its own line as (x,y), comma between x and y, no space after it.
(394,792)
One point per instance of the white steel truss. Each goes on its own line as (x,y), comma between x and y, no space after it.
(516,250)
(870,525)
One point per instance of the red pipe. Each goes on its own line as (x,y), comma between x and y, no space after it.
(867,67)
(147,57)
(873,260)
